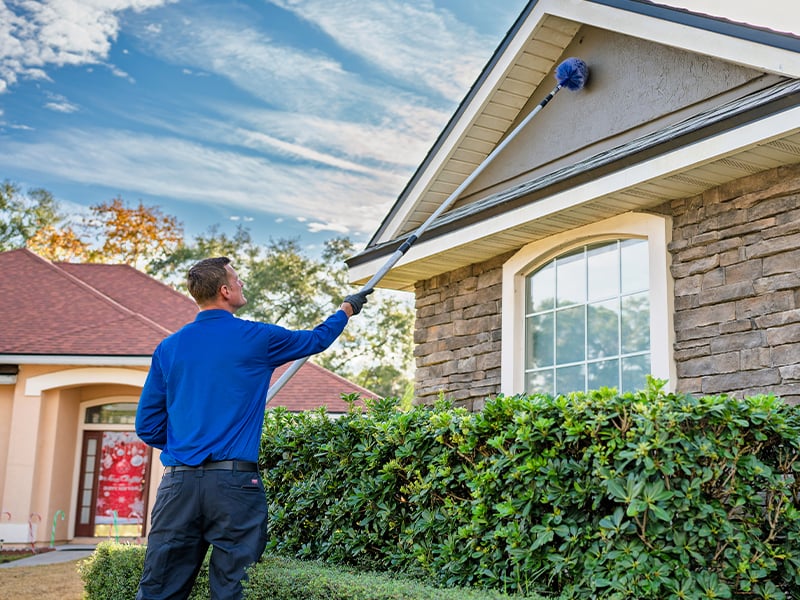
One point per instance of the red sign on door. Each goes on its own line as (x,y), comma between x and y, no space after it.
(120,484)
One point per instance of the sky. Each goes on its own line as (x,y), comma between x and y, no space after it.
(295,118)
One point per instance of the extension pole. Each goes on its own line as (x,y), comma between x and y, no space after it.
(572,74)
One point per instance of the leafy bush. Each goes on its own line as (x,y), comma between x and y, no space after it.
(113,570)
(596,495)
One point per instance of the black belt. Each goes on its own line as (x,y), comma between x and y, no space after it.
(219,465)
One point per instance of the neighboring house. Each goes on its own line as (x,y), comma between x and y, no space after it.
(75,347)
(647,224)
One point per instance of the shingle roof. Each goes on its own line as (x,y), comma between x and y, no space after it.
(313,386)
(55,309)
(114,310)
(137,291)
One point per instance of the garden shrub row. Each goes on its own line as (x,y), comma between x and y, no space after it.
(113,570)
(591,495)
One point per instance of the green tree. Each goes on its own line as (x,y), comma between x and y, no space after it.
(23,215)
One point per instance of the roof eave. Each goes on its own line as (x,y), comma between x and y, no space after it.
(744,44)
(590,180)
(77,359)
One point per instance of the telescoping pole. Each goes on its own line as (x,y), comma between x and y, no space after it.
(571,74)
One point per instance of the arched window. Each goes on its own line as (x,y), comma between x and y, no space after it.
(587,319)
(590,307)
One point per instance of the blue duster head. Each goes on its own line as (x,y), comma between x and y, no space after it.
(572,74)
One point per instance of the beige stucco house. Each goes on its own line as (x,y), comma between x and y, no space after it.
(75,349)
(646,224)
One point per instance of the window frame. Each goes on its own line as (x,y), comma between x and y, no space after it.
(654,228)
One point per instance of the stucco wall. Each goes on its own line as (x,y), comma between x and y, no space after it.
(635,86)
(736,265)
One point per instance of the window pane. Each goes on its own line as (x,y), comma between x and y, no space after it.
(586,310)
(635,323)
(634,372)
(571,279)
(541,289)
(604,374)
(602,265)
(539,382)
(603,329)
(539,341)
(116,413)
(570,335)
(570,379)
(635,266)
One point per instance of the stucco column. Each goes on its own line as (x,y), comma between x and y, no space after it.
(22,451)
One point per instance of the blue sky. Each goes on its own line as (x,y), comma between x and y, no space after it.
(298,118)
(295,117)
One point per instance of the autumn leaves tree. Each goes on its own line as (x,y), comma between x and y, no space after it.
(136,235)
(114,232)
(23,215)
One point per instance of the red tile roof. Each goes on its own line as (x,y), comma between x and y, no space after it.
(115,310)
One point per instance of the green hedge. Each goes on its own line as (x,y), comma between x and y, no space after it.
(277,578)
(112,572)
(594,495)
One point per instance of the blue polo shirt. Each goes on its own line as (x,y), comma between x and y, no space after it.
(204,396)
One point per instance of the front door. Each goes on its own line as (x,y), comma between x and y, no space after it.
(112,490)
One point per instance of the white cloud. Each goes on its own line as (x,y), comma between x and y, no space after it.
(413,42)
(174,168)
(62,107)
(315,227)
(38,34)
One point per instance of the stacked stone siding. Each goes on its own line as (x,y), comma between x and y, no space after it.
(736,273)
(736,269)
(458,334)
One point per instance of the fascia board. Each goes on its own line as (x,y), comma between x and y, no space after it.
(737,50)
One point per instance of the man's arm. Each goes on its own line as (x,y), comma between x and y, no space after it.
(151,413)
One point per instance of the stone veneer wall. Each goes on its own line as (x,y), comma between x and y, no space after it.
(458,333)
(736,269)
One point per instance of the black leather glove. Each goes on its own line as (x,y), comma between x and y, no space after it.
(358,300)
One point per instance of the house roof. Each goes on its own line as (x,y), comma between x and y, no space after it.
(72,310)
(758,133)
(314,386)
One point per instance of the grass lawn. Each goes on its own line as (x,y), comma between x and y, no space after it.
(58,581)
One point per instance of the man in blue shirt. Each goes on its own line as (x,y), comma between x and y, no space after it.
(203,405)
